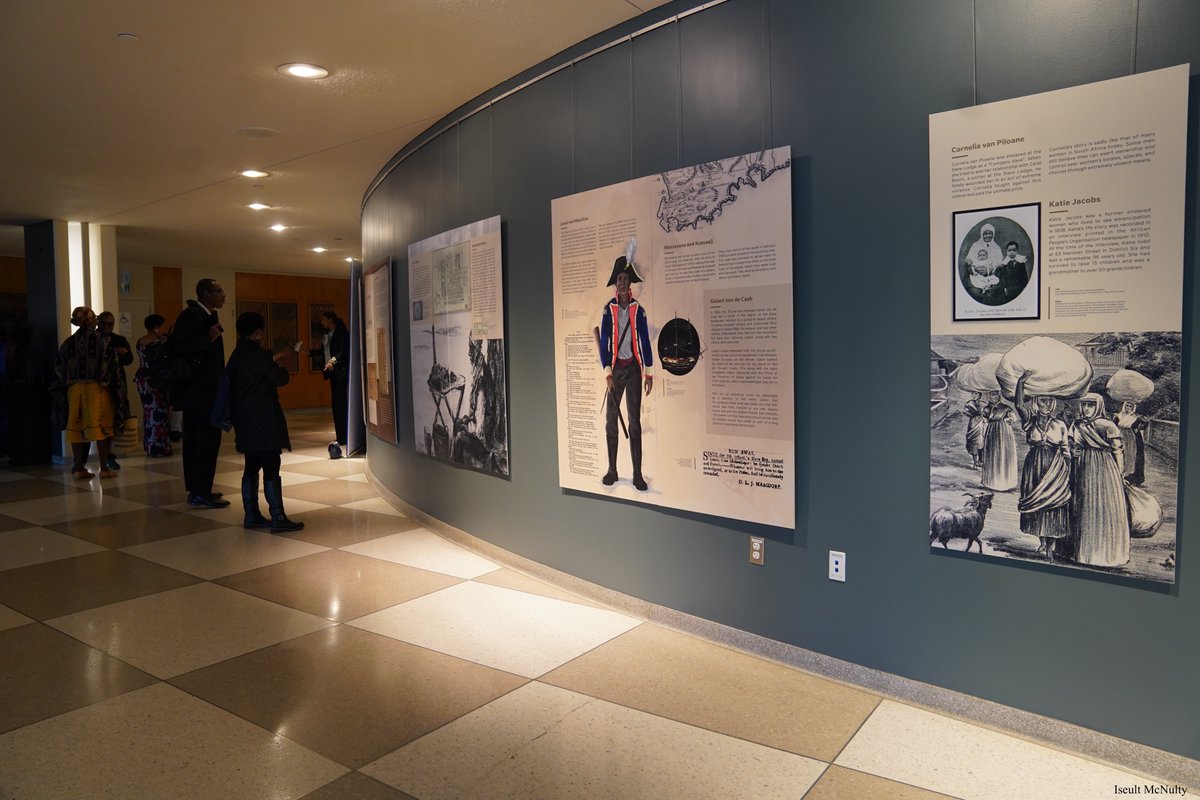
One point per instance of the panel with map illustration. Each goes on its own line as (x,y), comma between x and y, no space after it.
(694,196)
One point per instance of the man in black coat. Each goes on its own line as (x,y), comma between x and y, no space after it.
(197,335)
(335,349)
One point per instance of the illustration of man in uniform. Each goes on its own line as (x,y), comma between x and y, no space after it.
(628,361)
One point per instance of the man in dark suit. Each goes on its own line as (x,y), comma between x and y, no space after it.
(197,335)
(335,349)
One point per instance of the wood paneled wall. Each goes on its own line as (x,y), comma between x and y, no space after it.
(307,389)
(168,293)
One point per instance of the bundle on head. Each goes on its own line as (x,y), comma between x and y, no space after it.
(963,523)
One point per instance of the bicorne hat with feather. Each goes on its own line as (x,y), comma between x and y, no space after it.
(625,264)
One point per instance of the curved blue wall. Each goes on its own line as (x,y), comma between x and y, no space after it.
(849,86)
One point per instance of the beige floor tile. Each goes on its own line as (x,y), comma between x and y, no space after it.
(169,633)
(511,579)
(295,458)
(26,546)
(7,475)
(377,505)
(418,547)
(359,787)
(35,488)
(135,527)
(702,684)
(172,465)
(597,749)
(839,783)
(155,743)
(68,585)
(12,619)
(126,476)
(339,526)
(332,493)
(233,479)
(350,695)
(337,585)
(329,468)
(222,551)
(44,673)
(68,506)
(514,631)
(357,478)
(945,755)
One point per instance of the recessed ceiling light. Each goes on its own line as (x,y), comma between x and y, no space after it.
(318,249)
(258,206)
(256,133)
(127,37)
(279,227)
(301,70)
(254,173)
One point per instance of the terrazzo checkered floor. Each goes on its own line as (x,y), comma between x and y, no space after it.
(149,650)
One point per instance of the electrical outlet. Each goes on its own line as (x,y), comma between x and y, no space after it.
(758,550)
(837,566)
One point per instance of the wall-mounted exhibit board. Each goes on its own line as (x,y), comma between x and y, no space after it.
(377,338)
(711,254)
(1056,271)
(456,327)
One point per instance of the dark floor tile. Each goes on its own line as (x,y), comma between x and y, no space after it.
(11,523)
(44,673)
(45,591)
(339,527)
(347,694)
(34,489)
(358,787)
(136,527)
(337,585)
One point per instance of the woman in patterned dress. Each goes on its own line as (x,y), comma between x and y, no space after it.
(1099,511)
(1045,475)
(156,406)
(999,446)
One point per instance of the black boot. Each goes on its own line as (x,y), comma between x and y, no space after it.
(610,477)
(254,517)
(635,454)
(273,489)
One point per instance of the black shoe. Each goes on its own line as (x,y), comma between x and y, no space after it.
(206,501)
(273,490)
(112,464)
(254,517)
(609,478)
(639,483)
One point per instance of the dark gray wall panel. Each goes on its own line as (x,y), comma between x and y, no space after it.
(849,86)
(1168,33)
(603,110)
(656,101)
(724,81)
(1030,46)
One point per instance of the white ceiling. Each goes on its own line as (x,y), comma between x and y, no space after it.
(143,134)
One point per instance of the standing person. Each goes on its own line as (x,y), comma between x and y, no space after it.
(1099,511)
(197,336)
(1013,273)
(1133,436)
(972,410)
(999,446)
(260,428)
(1046,474)
(628,359)
(156,406)
(335,349)
(118,385)
(85,363)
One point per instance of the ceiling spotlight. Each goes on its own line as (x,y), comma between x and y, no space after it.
(301,70)
(349,259)
(279,227)
(254,173)
(258,206)
(318,249)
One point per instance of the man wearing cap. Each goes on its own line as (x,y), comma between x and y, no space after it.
(628,359)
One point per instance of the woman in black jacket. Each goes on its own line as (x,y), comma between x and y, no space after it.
(260,429)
